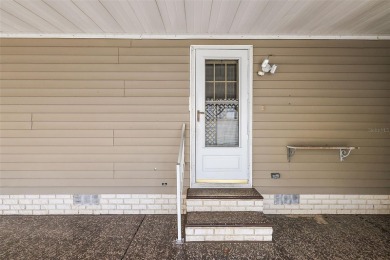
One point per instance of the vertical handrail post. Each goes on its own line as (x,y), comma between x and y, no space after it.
(179,183)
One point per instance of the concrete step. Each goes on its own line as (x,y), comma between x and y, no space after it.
(227,226)
(223,200)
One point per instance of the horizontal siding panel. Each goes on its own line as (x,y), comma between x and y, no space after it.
(385,141)
(109,118)
(56,166)
(14,117)
(147,141)
(88,158)
(322,158)
(82,51)
(265,43)
(55,133)
(322,85)
(320,125)
(325,183)
(101,67)
(282,150)
(321,190)
(62,92)
(15,125)
(184,51)
(325,93)
(94,101)
(56,141)
(146,167)
(86,182)
(154,51)
(98,75)
(158,181)
(368,77)
(106,125)
(97,109)
(326,101)
(317,174)
(61,84)
(147,59)
(157,92)
(149,133)
(314,109)
(322,68)
(156,84)
(381,52)
(56,174)
(52,42)
(77,149)
(336,166)
(318,118)
(57,59)
(89,190)
(325,60)
(357,134)
(146,174)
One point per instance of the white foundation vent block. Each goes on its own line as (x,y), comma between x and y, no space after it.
(83,199)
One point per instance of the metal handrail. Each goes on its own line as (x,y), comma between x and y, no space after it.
(180,165)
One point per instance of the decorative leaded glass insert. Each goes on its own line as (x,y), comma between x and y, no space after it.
(222,103)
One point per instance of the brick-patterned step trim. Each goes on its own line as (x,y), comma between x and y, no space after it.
(196,205)
(198,234)
(217,199)
(223,193)
(227,226)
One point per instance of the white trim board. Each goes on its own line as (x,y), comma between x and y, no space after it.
(196,36)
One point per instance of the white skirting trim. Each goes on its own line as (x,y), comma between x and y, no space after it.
(166,204)
(331,204)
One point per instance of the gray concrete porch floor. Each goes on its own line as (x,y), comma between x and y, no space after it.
(152,236)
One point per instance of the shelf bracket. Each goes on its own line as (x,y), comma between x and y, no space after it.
(290,153)
(344,153)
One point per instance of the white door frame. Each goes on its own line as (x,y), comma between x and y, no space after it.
(193,49)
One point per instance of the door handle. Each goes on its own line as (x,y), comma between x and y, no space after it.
(198,113)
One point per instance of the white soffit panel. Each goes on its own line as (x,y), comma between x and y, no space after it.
(186,19)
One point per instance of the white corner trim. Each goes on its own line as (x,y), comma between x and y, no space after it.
(195,36)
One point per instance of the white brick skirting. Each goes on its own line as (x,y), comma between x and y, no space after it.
(166,204)
(331,204)
(228,234)
(109,204)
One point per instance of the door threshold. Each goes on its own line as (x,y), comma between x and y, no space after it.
(222,181)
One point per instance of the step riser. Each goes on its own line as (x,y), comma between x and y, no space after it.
(196,234)
(196,205)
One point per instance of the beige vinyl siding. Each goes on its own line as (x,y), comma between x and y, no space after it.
(104,116)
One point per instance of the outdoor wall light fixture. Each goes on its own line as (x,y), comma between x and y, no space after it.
(266,67)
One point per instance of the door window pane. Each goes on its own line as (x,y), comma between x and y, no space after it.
(209,72)
(222,103)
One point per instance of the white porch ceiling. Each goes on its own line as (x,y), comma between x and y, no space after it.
(196,18)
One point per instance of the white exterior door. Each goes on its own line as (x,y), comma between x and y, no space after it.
(221,112)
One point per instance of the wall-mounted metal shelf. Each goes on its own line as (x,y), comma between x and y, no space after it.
(344,150)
